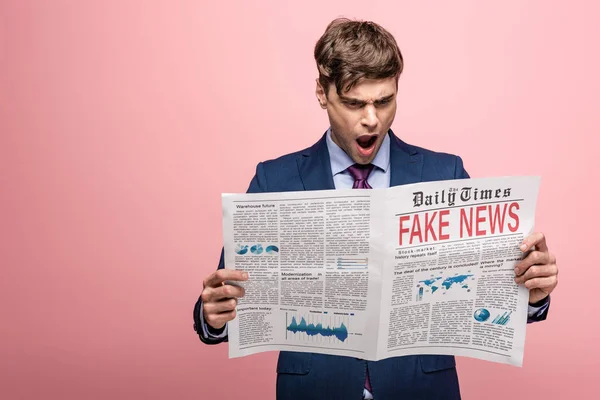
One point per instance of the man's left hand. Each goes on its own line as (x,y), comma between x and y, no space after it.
(538,271)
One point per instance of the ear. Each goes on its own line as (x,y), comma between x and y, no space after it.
(320,92)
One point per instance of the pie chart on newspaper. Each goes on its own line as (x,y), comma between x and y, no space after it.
(481,314)
(256,249)
(241,249)
(272,249)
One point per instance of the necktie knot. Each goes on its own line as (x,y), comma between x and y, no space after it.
(360,173)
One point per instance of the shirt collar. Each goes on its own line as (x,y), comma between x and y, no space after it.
(340,161)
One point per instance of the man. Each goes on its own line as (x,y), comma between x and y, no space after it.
(359,65)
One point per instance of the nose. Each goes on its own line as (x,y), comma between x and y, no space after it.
(369,117)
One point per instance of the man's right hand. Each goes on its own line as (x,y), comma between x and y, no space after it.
(219,299)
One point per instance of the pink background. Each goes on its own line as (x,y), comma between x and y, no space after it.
(122,122)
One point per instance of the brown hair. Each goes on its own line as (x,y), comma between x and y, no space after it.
(350,51)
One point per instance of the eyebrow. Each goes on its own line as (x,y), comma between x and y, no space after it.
(380,100)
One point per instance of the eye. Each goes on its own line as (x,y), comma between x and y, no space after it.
(353,104)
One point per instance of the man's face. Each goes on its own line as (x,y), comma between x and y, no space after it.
(360,117)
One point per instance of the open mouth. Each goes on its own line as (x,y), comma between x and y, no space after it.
(366,141)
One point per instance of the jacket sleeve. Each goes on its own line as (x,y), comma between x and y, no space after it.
(539,311)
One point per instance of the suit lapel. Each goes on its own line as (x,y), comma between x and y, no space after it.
(315,168)
(406,163)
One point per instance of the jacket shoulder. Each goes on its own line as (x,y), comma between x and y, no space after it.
(439,165)
(279,174)
(284,160)
(429,155)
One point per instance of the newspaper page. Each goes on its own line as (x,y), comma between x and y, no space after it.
(448,277)
(426,268)
(314,278)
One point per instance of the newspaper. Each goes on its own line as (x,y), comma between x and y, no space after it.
(426,268)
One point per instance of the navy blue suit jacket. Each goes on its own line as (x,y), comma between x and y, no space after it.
(307,375)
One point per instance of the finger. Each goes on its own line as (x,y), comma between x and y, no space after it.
(547,283)
(218,277)
(222,292)
(537,239)
(217,307)
(533,258)
(218,321)
(537,271)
